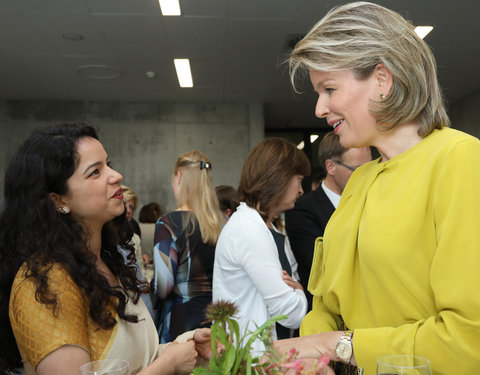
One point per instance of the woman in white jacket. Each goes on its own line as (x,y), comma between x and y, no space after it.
(251,268)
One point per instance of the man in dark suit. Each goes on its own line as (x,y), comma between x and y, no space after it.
(308,219)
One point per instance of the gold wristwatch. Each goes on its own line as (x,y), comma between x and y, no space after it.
(344,348)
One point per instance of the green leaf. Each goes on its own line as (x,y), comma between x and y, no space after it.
(234,329)
(229,360)
(200,371)
(219,334)
(249,364)
(265,325)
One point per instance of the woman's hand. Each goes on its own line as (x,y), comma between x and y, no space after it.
(290,281)
(201,337)
(312,363)
(182,357)
(312,346)
(202,343)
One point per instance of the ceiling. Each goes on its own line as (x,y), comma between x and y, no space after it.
(235,49)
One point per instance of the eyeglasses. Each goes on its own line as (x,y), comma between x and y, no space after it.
(344,165)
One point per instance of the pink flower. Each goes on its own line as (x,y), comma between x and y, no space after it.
(291,354)
(323,361)
(296,365)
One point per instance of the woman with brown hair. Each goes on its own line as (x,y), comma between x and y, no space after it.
(250,254)
(184,248)
(228,199)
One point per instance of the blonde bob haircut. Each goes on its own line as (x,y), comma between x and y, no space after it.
(359,36)
(197,192)
(267,171)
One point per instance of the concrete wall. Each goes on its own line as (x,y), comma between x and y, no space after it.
(144,140)
(465,115)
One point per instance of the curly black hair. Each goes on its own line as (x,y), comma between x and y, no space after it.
(34,233)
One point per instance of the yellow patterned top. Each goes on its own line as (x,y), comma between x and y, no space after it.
(39,330)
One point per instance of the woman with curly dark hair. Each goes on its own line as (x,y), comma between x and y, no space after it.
(67,296)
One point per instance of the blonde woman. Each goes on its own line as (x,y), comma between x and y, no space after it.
(184,248)
(398,263)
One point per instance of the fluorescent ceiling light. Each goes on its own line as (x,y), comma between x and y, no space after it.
(301,145)
(170,7)
(184,73)
(423,31)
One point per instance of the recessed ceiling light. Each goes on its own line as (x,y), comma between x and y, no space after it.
(99,71)
(423,31)
(301,145)
(184,74)
(72,37)
(170,7)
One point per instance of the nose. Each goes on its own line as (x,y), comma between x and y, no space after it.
(115,177)
(300,190)
(321,109)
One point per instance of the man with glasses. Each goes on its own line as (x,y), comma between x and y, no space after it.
(307,220)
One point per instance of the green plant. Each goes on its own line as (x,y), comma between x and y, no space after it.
(236,357)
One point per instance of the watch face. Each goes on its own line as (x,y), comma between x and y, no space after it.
(344,350)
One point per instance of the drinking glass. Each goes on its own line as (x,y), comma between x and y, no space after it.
(105,367)
(403,365)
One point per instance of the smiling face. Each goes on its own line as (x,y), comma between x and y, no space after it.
(344,101)
(94,194)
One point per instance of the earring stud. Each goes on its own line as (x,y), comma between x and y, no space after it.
(66,210)
(382,97)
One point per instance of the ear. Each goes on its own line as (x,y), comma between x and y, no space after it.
(330,166)
(177,177)
(58,201)
(384,79)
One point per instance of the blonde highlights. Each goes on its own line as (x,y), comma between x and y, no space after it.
(359,36)
(197,192)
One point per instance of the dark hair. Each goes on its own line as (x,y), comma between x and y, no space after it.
(33,233)
(266,172)
(318,176)
(328,148)
(150,213)
(227,197)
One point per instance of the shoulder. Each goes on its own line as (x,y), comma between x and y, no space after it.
(447,138)
(167,225)
(245,229)
(41,328)
(60,284)
(245,219)
(447,146)
(58,279)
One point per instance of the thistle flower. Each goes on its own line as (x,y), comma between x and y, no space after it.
(220,311)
